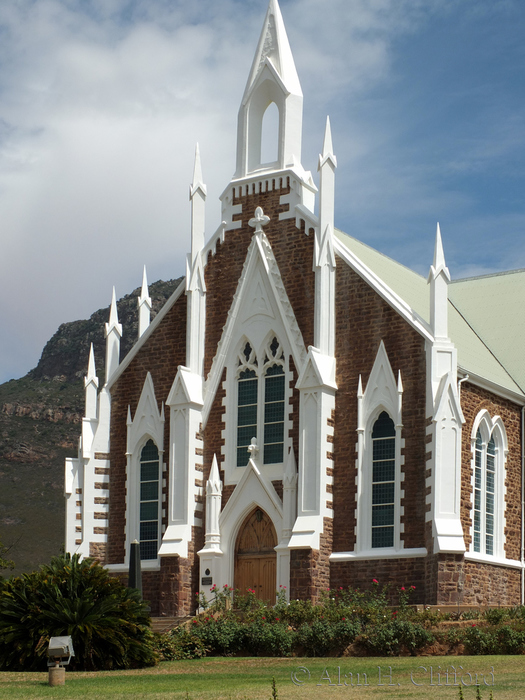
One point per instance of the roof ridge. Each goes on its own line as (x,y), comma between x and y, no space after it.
(489,274)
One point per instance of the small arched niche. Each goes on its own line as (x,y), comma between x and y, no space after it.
(270,135)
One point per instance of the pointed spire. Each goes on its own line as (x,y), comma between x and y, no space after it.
(198,211)
(360,388)
(324,255)
(91,373)
(328,151)
(214,484)
(273,78)
(197,182)
(144,303)
(439,264)
(113,336)
(91,386)
(213,508)
(113,313)
(128,419)
(274,46)
(399,383)
(438,278)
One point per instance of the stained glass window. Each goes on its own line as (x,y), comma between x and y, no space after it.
(149,501)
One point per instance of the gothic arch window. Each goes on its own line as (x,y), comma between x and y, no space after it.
(489,447)
(149,501)
(261,399)
(379,461)
(383,482)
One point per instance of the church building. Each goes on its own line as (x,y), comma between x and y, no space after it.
(305,413)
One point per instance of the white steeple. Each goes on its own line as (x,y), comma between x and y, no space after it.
(195,284)
(438,278)
(91,387)
(113,336)
(324,262)
(273,78)
(144,302)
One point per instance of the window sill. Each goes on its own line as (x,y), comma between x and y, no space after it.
(146,565)
(494,560)
(387,553)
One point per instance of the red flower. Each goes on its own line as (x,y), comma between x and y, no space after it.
(413,588)
(374,580)
(402,588)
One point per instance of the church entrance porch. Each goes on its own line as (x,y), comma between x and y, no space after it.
(255,556)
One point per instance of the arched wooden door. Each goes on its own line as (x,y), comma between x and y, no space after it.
(255,557)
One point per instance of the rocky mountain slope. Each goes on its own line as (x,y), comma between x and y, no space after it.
(40,418)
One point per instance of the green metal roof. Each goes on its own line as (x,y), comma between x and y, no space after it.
(482,312)
(493,305)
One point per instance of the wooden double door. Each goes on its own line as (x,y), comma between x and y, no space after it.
(255,557)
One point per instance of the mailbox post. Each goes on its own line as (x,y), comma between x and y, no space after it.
(59,654)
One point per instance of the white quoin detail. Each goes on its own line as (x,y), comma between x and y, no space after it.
(91,387)
(273,79)
(213,508)
(113,336)
(144,303)
(438,278)
(195,284)
(324,262)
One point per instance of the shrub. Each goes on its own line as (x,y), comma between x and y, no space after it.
(511,640)
(268,639)
(108,622)
(223,636)
(178,644)
(389,638)
(480,641)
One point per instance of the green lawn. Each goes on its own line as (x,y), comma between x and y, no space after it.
(251,679)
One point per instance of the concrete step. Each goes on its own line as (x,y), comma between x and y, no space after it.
(165,624)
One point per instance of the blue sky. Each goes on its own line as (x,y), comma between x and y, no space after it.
(102,102)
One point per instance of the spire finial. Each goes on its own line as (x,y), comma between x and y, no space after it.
(259,220)
(439,265)
(144,303)
(113,313)
(197,182)
(91,373)
(144,290)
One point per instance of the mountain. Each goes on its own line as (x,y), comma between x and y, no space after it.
(40,417)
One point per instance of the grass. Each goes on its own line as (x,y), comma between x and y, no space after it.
(251,679)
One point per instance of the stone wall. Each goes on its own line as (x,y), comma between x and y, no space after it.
(474,400)
(363,319)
